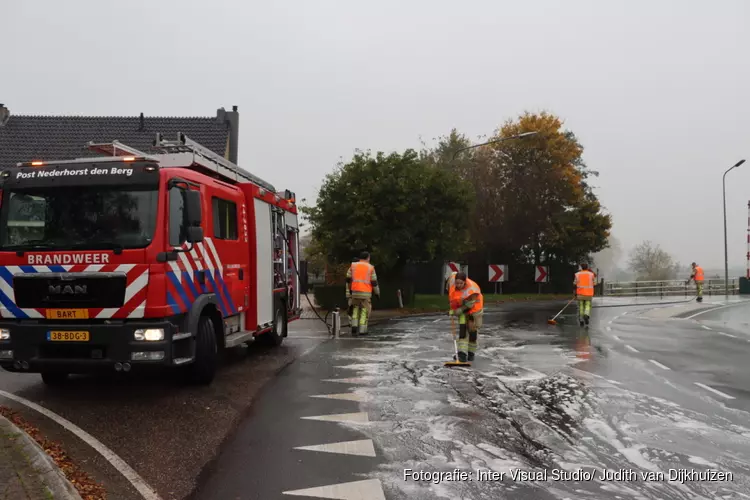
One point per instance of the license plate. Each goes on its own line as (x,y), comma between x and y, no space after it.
(60,336)
(67,314)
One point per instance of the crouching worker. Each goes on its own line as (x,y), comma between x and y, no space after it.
(467,302)
(361,283)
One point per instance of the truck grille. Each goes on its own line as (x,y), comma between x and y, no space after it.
(70,290)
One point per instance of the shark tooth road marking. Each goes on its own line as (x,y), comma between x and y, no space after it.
(345,380)
(369,489)
(632,348)
(727,396)
(118,463)
(362,448)
(359,417)
(348,396)
(659,364)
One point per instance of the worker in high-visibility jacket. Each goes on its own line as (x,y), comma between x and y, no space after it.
(361,283)
(584,282)
(697,276)
(450,281)
(467,302)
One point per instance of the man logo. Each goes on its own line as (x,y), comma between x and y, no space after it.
(67,290)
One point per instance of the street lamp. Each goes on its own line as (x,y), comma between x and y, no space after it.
(726,255)
(502,139)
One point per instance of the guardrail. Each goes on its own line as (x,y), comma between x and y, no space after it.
(667,288)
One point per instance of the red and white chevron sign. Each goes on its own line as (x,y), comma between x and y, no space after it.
(541,274)
(498,272)
(453,267)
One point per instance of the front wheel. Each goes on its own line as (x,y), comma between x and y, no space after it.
(203,368)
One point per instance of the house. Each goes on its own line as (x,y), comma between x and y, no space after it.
(31,137)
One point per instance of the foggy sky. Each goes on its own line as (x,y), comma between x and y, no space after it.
(658,92)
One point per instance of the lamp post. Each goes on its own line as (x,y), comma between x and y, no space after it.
(502,139)
(726,255)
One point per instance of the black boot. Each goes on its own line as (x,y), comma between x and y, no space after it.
(471,356)
(699,299)
(580,321)
(586,319)
(462,357)
(355,331)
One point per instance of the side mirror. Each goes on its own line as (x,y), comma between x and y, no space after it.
(193,211)
(194,234)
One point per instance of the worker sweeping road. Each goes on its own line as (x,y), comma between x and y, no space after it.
(584,282)
(466,302)
(697,276)
(361,283)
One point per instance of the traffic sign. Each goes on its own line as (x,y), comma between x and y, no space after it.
(455,267)
(541,274)
(498,273)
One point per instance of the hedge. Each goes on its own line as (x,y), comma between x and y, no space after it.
(330,296)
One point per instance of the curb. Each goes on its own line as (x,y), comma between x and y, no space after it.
(49,473)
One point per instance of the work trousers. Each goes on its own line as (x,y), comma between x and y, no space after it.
(699,288)
(360,313)
(468,326)
(584,306)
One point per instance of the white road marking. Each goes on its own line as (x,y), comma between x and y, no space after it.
(716,309)
(346,380)
(659,364)
(707,327)
(609,329)
(632,348)
(727,335)
(714,390)
(617,338)
(341,417)
(348,396)
(610,322)
(438,320)
(369,489)
(362,448)
(118,463)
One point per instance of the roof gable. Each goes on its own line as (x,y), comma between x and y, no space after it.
(26,138)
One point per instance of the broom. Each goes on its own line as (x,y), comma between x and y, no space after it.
(552,321)
(456,361)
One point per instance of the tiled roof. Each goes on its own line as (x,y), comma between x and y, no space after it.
(26,138)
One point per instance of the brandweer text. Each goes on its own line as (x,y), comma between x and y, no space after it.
(79,258)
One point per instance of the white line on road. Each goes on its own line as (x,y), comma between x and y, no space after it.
(727,335)
(617,338)
(438,320)
(714,390)
(347,396)
(362,448)
(369,489)
(707,327)
(609,329)
(744,302)
(610,322)
(659,364)
(118,463)
(341,417)
(632,348)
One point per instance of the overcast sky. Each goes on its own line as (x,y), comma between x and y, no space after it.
(657,91)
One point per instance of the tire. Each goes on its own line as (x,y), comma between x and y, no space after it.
(275,337)
(54,378)
(202,370)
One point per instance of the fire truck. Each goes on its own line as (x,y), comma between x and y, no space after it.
(130,260)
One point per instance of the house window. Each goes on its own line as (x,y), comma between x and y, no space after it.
(225,219)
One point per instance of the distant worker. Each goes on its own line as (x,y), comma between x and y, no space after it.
(361,283)
(584,282)
(467,302)
(697,276)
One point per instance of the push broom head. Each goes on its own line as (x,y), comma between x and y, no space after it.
(457,363)
(551,322)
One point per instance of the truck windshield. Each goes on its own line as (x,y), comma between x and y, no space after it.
(77,218)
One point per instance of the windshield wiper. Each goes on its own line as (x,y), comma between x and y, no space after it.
(115,246)
(25,247)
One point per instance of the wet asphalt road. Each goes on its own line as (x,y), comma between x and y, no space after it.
(165,430)
(635,392)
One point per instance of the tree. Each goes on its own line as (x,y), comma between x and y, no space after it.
(399,207)
(650,262)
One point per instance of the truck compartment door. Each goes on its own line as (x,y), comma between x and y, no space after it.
(264,261)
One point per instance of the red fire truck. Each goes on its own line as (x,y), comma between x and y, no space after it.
(132,260)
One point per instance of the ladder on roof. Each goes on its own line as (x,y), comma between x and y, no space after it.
(165,150)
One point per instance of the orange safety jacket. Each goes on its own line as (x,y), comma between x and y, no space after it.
(698,274)
(362,279)
(460,298)
(584,283)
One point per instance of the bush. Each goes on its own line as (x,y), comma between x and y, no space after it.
(330,296)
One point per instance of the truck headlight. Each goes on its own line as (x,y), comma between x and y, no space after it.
(150,334)
(4,334)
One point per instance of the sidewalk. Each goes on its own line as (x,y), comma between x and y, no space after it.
(26,471)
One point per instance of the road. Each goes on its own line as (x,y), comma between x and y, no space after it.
(638,391)
(646,388)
